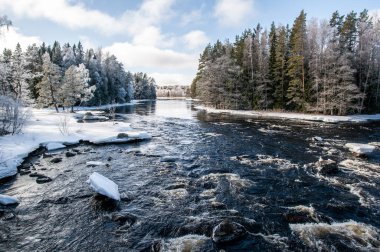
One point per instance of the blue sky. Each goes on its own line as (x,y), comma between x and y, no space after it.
(161,37)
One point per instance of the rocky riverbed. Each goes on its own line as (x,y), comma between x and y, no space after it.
(202,183)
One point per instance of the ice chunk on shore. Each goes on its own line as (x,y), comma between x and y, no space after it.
(94,163)
(126,138)
(54,146)
(8,200)
(360,149)
(104,186)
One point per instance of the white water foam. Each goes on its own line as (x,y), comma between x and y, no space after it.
(357,236)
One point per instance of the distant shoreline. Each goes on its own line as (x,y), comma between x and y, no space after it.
(293,116)
(172,98)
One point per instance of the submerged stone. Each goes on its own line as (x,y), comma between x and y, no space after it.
(56,160)
(70,154)
(227,232)
(327,167)
(43,180)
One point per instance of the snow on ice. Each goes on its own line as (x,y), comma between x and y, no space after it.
(53,130)
(94,163)
(8,200)
(104,186)
(360,149)
(54,146)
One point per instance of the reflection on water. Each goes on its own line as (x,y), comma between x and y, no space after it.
(200,170)
(160,108)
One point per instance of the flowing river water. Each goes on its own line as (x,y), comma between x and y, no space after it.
(197,171)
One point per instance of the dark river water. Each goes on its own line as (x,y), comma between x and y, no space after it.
(197,171)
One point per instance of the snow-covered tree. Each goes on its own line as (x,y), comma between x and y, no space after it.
(144,86)
(68,57)
(75,87)
(20,76)
(5,73)
(48,88)
(34,67)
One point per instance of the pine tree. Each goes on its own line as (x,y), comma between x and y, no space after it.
(296,65)
(279,69)
(56,54)
(272,54)
(79,54)
(34,66)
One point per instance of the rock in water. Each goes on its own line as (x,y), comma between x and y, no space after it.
(317,139)
(122,135)
(169,159)
(227,232)
(70,154)
(56,160)
(8,200)
(104,186)
(327,167)
(43,180)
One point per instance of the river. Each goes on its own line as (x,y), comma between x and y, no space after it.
(197,171)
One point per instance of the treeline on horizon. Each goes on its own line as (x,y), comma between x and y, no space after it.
(66,76)
(328,66)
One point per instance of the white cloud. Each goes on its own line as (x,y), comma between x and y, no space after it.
(10,37)
(196,39)
(148,56)
(191,17)
(172,79)
(76,15)
(233,12)
(64,13)
(161,60)
(152,36)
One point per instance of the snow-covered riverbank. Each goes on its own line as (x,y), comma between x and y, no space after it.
(293,116)
(54,130)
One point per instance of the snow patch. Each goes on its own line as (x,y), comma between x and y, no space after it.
(360,149)
(94,163)
(8,200)
(104,186)
(44,128)
(293,116)
(53,146)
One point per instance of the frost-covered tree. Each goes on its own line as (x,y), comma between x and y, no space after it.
(56,54)
(144,87)
(34,67)
(264,85)
(20,76)
(75,87)
(4,21)
(79,53)
(48,88)
(5,73)
(68,56)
